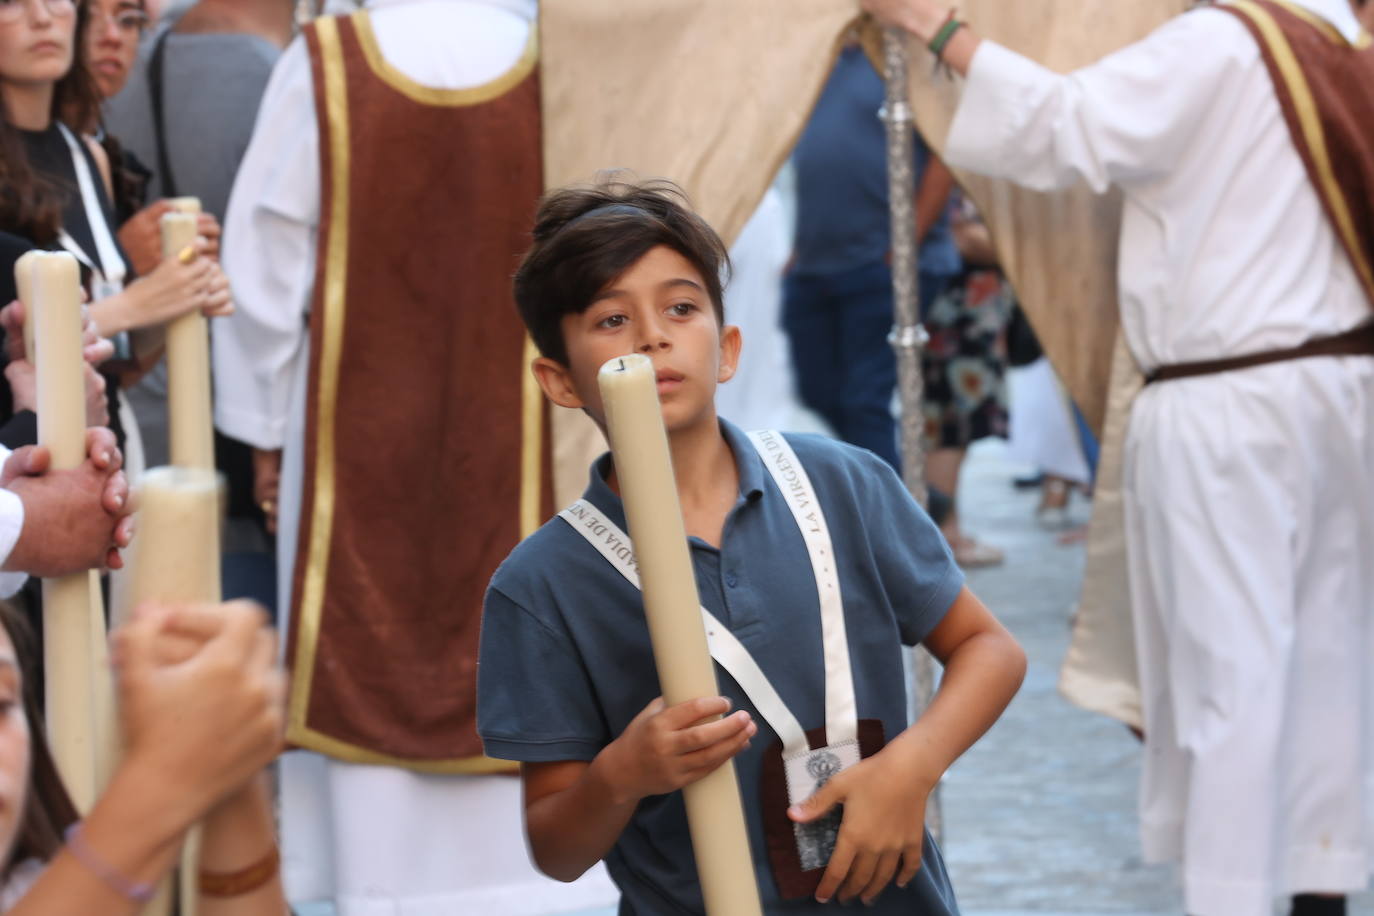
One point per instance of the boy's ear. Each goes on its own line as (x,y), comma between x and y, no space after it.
(556,381)
(731,341)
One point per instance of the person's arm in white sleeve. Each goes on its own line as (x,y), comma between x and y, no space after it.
(1122,120)
(11,523)
(269,256)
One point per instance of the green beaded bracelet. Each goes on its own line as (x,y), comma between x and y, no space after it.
(941,40)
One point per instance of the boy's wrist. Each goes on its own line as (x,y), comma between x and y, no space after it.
(606,772)
(911,757)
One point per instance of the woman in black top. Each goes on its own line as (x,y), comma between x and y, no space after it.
(54,184)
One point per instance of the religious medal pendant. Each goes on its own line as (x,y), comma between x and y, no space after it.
(807,772)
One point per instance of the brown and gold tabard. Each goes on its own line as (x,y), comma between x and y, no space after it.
(424,444)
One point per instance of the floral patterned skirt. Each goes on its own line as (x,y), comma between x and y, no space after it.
(964,363)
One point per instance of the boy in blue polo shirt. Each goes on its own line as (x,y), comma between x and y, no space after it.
(567,684)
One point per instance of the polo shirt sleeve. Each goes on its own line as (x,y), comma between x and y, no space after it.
(535,701)
(917,568)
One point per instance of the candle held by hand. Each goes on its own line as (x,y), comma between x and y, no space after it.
(643,466)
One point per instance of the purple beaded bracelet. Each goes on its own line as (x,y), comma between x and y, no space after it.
(137,891)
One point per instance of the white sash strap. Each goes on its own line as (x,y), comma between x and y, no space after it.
(109,265)
(728,651)
(841,712)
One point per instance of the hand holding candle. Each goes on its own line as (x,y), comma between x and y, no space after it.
(70,625)
(644,469)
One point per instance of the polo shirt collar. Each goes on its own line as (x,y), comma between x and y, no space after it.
(752,474)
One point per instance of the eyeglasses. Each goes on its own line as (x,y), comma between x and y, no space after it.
(12,11)
(129,22)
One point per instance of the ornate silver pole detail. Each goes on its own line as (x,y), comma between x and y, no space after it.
(908,336)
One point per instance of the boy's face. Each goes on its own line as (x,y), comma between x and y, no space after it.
(658,307)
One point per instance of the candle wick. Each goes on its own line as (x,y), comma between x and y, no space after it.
(622,365)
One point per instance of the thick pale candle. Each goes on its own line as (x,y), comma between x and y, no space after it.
(176,559)
(176,554)
(644,469)
(191,432)
(70,624)
(23,284)
(104,712)
(191,441)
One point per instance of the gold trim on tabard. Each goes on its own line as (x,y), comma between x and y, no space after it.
(333,302)
(429,95)
(1332,33)
(531,444)
(331,347)
(1311,124)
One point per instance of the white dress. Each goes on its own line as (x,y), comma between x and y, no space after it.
(378,841)
(1248,495)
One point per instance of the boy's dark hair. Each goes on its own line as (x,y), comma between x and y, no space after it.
(585,237)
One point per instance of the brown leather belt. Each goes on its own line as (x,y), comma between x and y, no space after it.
(1355,342)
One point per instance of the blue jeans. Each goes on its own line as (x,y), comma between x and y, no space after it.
(845,369)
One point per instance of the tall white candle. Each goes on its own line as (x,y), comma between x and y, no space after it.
(176,559)
(23,284)
(643,466)
(70,617)
(191,433)
(104,712)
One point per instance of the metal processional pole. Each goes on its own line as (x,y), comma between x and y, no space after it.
(908,336)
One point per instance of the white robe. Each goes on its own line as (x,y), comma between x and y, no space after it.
(378,841)
(1042,434)
(1249,504)
(760,395)
(11,524)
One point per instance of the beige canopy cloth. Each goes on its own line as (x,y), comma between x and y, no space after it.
(715,93)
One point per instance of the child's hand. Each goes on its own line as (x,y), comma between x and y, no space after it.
(664,749)
(882,830)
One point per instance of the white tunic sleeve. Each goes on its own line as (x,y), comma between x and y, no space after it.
(1123,120)
(11,524)
(269,256)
